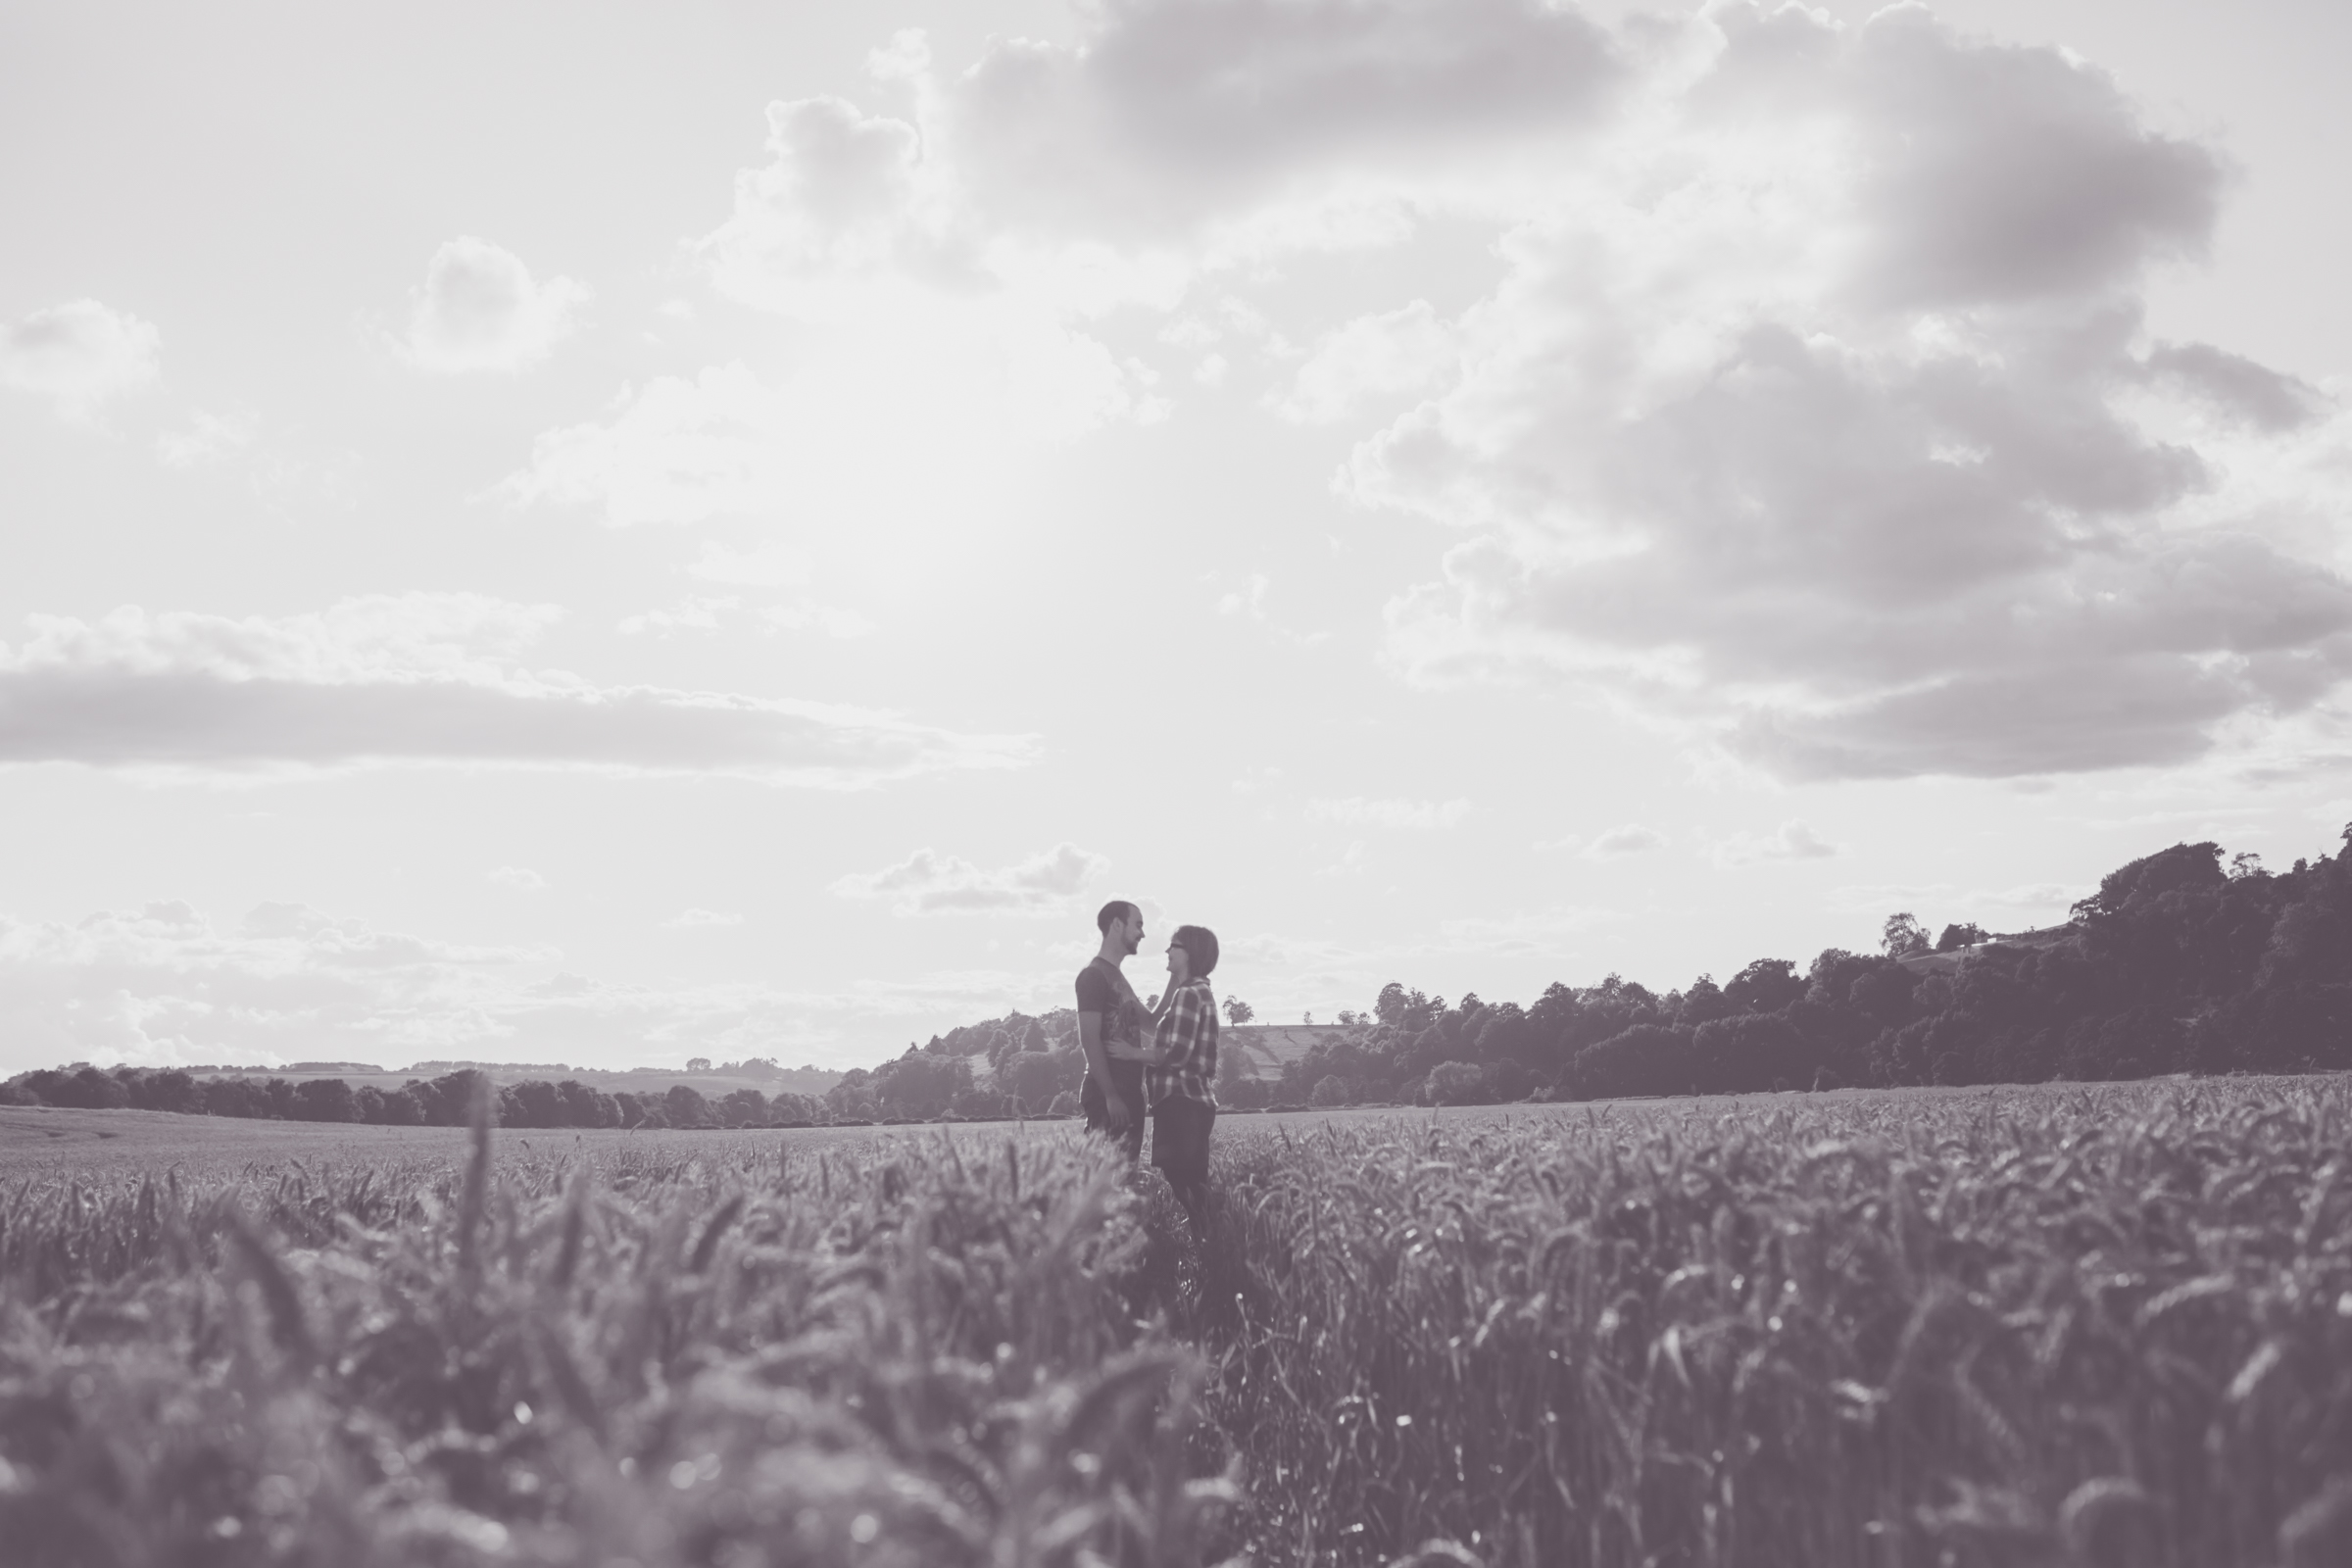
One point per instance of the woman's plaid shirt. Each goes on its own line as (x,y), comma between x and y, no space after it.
(1187,1048)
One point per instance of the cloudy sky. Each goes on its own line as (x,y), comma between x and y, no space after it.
(611,533)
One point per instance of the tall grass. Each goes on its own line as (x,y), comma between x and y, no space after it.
(2101,1327)
(890,1354)
(2067,1328)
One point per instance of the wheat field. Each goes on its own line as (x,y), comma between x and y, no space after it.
(2049,1326)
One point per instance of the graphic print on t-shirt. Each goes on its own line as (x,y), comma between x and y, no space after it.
(1102,988)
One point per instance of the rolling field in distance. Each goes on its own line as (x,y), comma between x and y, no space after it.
(2030,1326)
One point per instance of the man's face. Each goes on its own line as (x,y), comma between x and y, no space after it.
(1130,931)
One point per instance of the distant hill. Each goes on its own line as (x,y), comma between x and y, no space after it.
(1948,962)
(711,1083)
(1265,1049)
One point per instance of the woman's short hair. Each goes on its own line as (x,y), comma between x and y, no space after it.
(1199,944)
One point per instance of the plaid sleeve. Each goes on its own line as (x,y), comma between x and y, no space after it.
(1187,1047)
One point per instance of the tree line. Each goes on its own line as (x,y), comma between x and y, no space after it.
(2176,964)
(442,1101)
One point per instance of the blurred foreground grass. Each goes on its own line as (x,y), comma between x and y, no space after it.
(876,1353)
(2051,1326)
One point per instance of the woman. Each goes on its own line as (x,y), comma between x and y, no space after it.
(1180,1078)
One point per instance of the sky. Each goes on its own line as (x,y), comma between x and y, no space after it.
(609,534)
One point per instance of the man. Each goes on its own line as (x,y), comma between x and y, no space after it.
(1114,1030)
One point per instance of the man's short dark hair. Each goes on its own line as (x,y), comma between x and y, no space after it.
(1199,944)
(1115,910)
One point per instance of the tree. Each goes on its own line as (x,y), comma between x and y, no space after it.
(697,1063)
(1035,1077)
(1645,1059)
(1765,986)
(584,1106)
(1455,1083)
(920,1087)
(325,1100)
(391,1107)
(1956,937)
(685,1106)
(1238,1012)
(1903,935)
(533,1103)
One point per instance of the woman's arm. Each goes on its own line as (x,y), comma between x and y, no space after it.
(1180,1026)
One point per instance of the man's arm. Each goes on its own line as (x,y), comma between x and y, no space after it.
(1090,1040)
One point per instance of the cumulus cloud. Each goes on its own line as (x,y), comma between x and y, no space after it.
(168,985)
(1814,417)
(481,310)
(686,919)
(951,260)
(1372,357)
(1630,837)
(79,354)
(1359,811)
(1793,841)
(519,877)
(927,882)
(1250,599)
(419,678)
(1171,114)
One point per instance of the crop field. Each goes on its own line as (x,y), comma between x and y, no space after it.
(2036,1326)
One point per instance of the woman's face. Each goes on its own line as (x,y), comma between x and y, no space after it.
(1180,963)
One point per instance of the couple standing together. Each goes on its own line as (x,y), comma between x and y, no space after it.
(1159,1061)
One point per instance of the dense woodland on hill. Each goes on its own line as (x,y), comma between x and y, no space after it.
(2176,964)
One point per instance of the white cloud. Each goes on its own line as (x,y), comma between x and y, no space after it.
(1813,417)
(1247,600)
(165,985)
(1354,861)
(1172,114)
(519,877)
(1359,811)
(689,919)
(1630,837)
(927,882)
(700,613)
(1372,357)
(481,310)
(414,678)
(209,438)
(79,354)
(1793,841)
(951,268)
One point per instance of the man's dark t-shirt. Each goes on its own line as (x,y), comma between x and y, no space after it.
(1102,988)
